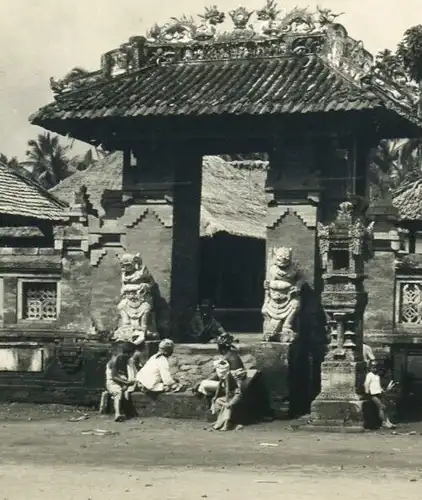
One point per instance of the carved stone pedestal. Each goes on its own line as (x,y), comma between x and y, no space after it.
(340,402)
(344,245)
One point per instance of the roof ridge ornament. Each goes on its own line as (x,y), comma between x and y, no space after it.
(299,32)
(241,17)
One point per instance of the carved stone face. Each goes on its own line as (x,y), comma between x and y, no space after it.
(283,257)
(130,263)
(133,296)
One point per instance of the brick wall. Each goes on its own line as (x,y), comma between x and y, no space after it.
(153,241)
(105,292)
(380,287)
(75,292)
(193,363)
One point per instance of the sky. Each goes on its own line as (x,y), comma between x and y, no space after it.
(43,38)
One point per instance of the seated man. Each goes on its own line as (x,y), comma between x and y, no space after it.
(256,399)
(230,354)
(118,380)
(155,375)
(204,325)
(227,397)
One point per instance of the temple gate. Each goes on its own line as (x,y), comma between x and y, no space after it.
(297,87)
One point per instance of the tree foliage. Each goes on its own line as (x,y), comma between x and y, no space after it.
(398,162)
(410,52)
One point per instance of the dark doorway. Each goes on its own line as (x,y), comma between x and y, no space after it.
(408,372)
(232,272)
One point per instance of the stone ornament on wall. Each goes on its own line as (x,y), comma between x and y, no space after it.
(408,300)
(283,286)
(409,303)
(136,306)
(69,356)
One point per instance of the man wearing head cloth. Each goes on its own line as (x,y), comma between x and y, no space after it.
(155,375)
(228,394)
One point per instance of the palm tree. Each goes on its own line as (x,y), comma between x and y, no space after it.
(12,162)
(394,163)
(47,160)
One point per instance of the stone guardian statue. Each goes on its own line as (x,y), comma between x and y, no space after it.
(136,306)
(282,302)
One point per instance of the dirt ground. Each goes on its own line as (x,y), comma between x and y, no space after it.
(44,454)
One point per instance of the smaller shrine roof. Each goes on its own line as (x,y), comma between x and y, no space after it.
(233,194)
(19,196)
(301,63)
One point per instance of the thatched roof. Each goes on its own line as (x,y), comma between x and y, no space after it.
(20,196)
(408,200)
(233,196)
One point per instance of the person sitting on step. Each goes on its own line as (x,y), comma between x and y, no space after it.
(204,326)
(227,398)
(155,376)
(119,382)
(229,353)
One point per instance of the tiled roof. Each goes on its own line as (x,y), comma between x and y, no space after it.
(408,201)
(232,201)
(20,196)
(317,69)
(288,85)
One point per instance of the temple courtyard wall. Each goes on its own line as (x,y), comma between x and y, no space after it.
(62,359)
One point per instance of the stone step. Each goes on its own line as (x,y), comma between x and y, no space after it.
(171,405)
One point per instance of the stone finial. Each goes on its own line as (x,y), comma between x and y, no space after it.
(241,17)
(327,16)
(213,16)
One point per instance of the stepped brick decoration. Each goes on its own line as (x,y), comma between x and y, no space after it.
(192,68)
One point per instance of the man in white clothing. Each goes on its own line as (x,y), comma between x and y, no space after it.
(155,375)
(374,390)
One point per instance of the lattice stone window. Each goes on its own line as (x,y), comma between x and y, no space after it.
(39,300)
(410,303)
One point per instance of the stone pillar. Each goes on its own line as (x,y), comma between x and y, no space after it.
(344,246)
(292,189)
(162,192)
(380,284)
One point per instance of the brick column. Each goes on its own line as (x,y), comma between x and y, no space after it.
(162,192)
(292,189)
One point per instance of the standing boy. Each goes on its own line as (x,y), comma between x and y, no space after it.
(374,390)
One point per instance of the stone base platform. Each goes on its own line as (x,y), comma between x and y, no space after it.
(329,427)
(179,405)
(75,374)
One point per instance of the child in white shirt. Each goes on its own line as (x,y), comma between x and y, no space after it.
(375,391)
